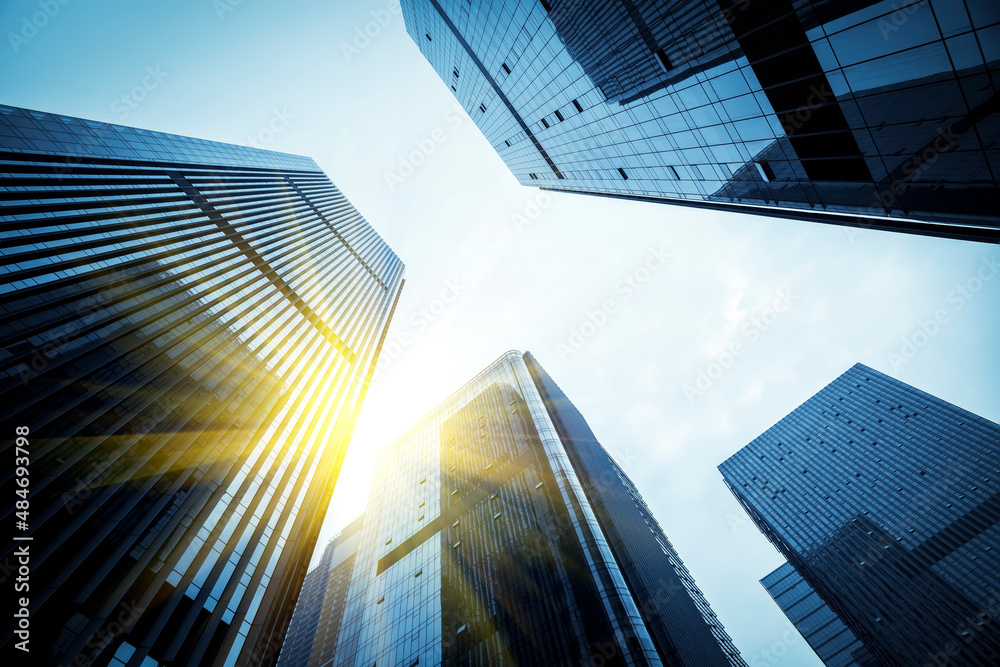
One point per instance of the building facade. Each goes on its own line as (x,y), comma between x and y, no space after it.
(822,629)
(500,532)
(866,113)
(188,332)
(886,500)
(313,632)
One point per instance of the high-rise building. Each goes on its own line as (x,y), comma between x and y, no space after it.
(886,500)
(864,113)
(188,332)
(312,635)
(500,532)
(822,629)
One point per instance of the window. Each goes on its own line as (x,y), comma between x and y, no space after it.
(545,123)
(507,142)
(664,60)
(765,170)
(505,68)
(381,600)
(559,116)
(455,72)
(482,107)
(545,5)
(622,172)
(674,172)
(428,37)
(577,105)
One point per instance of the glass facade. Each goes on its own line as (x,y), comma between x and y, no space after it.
(866,113)
(313,632)
(833,641)
(188,331)
(886,500)
(489,541)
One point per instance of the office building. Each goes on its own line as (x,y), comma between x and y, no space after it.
(188,332)
(886,500)
(312,635)
(822,629)
(870,114)
(499,532)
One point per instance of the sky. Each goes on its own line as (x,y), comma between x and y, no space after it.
(627,305)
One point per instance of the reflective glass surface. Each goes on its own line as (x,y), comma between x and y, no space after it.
(188,329)
(886,500)
(833,641)
(865,108)
(488,541)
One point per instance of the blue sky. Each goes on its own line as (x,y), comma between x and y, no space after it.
(804,301)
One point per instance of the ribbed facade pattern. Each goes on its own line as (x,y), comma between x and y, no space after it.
(833,641)
(312,634)
(482,546)
(189,329)
(886,500)
(683,625)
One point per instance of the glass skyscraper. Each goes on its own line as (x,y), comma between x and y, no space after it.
(313,633)
(188,332)
(886,500)
(863,113)
(500,532)
(833,641)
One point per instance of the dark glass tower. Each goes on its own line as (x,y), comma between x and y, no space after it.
(886,500)
(862,113)
(833,641)
(312,635)
(500,532)
(189,329)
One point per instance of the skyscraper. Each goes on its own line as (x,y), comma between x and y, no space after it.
(312,635)
(499,531)
(886,500)
(833,641)
(189,329)
(865,113)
